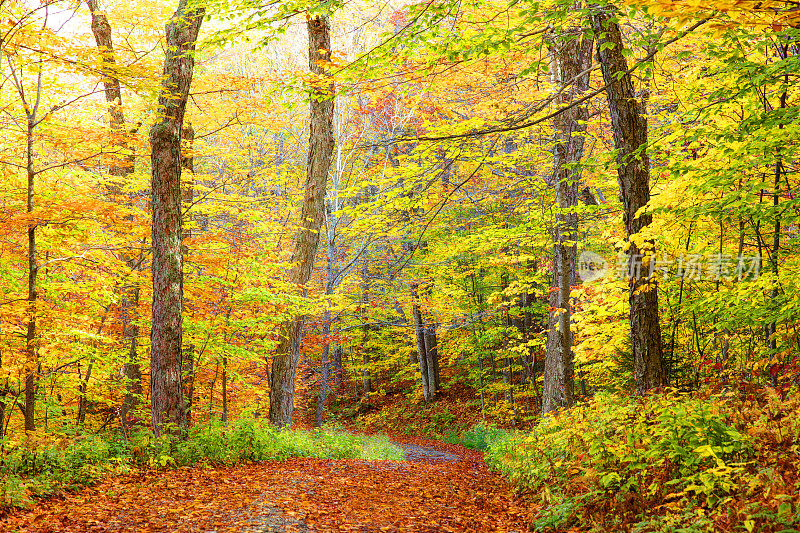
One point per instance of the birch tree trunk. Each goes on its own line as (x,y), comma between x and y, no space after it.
(629,127)
(572,58)
(165,141)
(320,152)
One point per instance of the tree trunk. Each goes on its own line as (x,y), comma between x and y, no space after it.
(426,362)
(31,368)
(225,390)
(338,367)
(432,353)
(630,140)
(3,394)
(320,152)
(187,197)
(771,328)
(365,375)
(325,369)
(121,165)
(572,58)
(31,363)
(330,284)
(165,140)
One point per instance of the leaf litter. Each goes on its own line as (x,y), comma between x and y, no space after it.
(440,488)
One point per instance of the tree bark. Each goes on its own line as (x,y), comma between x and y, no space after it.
(121,166)
(332,280)
(426,348)
(187,197)
(31,362)
(366,379)
(31,368)
(165,141)
(572,58)
(419,328)
(630,140)
(325,367)
(320,152)
(432,353)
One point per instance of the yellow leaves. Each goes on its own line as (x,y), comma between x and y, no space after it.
(751,14)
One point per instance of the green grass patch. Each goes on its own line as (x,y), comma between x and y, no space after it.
(478,437)
(58,463)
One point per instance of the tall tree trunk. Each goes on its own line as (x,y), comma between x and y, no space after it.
(572,59)
(31,362)
(771,328)
(225,389)
(320,152)
(338,367)
(630,140)
(3,393)
(83,387)
(187,197)
(330,284)
(165,140)
(31,356)
(121,166)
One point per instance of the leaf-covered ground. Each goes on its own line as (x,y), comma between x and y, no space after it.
(441,488)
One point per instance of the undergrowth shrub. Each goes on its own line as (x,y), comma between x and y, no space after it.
(478,437)
(255,440)
(618,458)
(50,464)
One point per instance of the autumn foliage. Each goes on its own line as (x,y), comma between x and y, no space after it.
(481,189)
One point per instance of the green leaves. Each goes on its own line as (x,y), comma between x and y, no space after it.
(670,445)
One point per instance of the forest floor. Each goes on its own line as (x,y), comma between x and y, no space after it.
(440,487)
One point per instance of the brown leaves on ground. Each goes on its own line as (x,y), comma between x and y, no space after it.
(293,495)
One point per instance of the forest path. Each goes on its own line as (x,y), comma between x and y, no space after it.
(440,488)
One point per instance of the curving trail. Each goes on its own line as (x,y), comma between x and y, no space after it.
(439,488)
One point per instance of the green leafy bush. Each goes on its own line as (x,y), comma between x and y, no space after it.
(478,437)
(634,452)
(55,465)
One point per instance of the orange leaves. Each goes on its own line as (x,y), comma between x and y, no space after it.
(296,495)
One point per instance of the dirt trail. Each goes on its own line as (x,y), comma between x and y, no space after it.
(439,488)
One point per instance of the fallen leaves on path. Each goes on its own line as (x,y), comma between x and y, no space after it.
(294,495)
